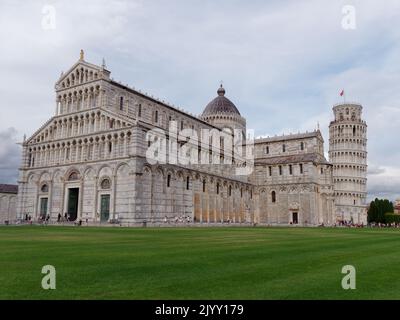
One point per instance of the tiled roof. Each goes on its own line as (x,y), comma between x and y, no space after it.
(8,188)
(289,137)
(220,104)
(297,158)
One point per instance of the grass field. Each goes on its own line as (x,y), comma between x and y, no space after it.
(198,263)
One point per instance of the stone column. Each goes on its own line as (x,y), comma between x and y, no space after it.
(125,146)
(81,195)
(114,192)
(96,191)
(50,203)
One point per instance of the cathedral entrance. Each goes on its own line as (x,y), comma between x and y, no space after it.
(104,207)
(73,200)
(43,207)
(295,218)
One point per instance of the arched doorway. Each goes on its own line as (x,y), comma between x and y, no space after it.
(73,196)
(73,201)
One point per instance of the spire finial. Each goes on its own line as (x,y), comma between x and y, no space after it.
(103,65)
(221,90)
(82,55)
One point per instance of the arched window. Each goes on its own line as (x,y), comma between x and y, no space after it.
(45,188)
(168,181)
(217,188)
(302,146)
(267,149)
(121,103)
(204,185)
(105,184)
(187,183)
(354,131)
(230,190)
(73,176)
(284,148)
(273,196)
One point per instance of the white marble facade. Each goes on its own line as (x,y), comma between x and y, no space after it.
(89,161)
(348,155)
(8,201)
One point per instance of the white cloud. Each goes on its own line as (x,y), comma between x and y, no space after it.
(10,155)
(384,184)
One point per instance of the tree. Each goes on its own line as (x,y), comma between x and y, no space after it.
(378,209)
(372,212)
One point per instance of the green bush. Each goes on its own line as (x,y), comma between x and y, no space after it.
(392,217)
(377,209)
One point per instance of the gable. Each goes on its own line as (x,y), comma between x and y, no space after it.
(80,73)
(50,130)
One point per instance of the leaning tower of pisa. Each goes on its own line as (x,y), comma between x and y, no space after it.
(348,154)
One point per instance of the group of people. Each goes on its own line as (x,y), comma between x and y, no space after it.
(384,225)
(42,219)
(178,219)
(65,218)
(349,224)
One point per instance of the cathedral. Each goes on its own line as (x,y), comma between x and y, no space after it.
(113,154)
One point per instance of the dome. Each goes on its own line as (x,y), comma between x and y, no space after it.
(220,104)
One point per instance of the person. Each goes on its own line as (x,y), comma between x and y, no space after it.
(165,219)
(65,217)
(59,217)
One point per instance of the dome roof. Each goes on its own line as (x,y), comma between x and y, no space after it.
(220,104)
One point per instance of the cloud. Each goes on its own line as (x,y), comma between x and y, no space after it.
(384,183)
(10,156)
(375,170)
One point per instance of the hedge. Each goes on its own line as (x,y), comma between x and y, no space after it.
(392,217)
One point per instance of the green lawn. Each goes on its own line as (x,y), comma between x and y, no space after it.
(198,263)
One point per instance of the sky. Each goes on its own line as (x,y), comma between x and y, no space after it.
(283,64)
